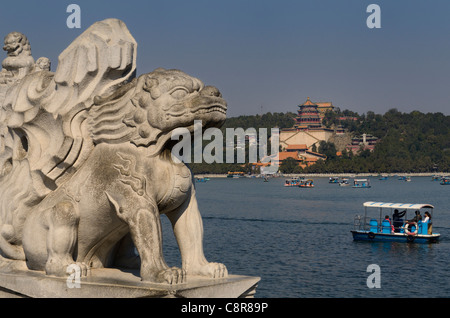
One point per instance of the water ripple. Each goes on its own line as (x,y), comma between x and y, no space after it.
(299,242)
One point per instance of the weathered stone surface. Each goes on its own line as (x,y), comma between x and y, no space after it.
(17,282)
(86,169)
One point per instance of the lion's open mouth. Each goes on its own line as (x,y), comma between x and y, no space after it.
(214,107)
(217,105)
(211,109)
(11,50)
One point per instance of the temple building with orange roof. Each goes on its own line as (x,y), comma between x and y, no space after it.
(308,129)
(301,154)
(323,107)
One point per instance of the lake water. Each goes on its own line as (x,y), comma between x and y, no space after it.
(299,242)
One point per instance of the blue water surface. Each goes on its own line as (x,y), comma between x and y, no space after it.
(299,242)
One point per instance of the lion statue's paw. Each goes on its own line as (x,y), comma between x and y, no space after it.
(172,276)
(213,270)
(61,268)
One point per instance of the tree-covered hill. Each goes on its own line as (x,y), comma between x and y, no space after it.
(409,142)
(268,120)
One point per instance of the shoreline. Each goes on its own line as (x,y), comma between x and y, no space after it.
(328,175)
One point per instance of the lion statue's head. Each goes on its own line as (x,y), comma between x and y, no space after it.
(16,44)
(147,110)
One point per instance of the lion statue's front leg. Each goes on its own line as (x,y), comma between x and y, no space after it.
(188,229)
(143,220)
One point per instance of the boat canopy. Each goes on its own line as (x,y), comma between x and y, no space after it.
(411,206)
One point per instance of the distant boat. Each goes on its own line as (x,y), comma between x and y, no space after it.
(235,174)
(436,178)
(333,180)
(294,182)
(344,183)
(361,183)
(445,181)
(383,178)
(402,178)
(408,179)
(306,183)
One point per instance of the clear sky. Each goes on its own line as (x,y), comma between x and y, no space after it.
(267,55)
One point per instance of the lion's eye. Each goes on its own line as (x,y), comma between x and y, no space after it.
(179,93)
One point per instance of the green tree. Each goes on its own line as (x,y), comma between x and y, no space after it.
(289,165)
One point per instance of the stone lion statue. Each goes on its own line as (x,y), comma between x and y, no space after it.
(86,167)
(19,61)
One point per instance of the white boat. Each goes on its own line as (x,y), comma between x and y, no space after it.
(361,183)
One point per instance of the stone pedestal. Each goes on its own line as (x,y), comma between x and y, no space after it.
(115,283)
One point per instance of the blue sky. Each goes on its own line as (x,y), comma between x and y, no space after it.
(271,55)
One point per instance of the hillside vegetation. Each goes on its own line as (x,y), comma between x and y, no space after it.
(409,142)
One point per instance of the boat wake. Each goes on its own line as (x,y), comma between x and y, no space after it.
(306,222)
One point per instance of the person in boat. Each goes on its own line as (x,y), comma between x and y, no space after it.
(397,220)
(386,218)
(426,219)
(417,217)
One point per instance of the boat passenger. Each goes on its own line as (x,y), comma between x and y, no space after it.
(416,218)
(428,219)
(386,218)
(397,219)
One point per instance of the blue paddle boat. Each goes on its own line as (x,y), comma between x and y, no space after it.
(392,224)
(333,180)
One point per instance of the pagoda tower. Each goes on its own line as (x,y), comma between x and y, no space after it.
(308,116)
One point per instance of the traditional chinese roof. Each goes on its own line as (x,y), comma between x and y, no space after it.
(296,147)
(308,103)
(325,104)
(282,155)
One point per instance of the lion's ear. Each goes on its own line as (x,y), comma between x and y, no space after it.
(151,85)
